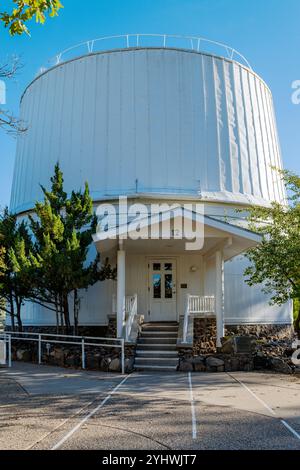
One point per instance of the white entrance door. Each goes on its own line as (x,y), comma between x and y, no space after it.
(162,290)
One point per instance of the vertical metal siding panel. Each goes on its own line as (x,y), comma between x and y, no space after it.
(41,132)
(198,124)
(243,137)
(269,144)
(220,124)
(143,144)
(265,140)
(156,122)
(101,119)
(114,162)
(127,137)
(88,124)
(57,98)
(275,161)
(27,167)
(232,128)
(66,157)
(213,174)
(73,169)
(258,190)
(283,193)
(253,168)
(277,153)
(186,176)
(202,152)
(49,156)
(16,197)
(33,164)
(172,124)
(260,142)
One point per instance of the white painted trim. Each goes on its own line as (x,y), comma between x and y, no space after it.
(209,221)
(219,301)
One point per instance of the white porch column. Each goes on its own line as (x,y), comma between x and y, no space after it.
(220,296)
(121,292)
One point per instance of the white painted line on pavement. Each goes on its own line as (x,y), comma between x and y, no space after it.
(290,429)
(88,416)
(295,434)
(254,395)
(194,421)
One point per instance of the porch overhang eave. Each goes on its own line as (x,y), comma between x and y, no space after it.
(237,239)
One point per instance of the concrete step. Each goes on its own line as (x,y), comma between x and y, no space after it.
(157,361)
(157,340)
(156,346)
(150,327)
(156,354)
(162,323)
(166,333)
(156,368)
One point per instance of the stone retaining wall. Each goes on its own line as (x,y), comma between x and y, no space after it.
(205,334)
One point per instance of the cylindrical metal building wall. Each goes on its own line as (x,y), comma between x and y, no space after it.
(155,122)
(150,121)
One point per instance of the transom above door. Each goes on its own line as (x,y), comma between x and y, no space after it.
(162,290)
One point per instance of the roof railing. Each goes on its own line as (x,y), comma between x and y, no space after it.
(126,41)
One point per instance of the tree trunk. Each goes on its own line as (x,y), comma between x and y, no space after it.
(76,311)
(66,313)
(61,314)
(12,312)
(18,314)
(57,315)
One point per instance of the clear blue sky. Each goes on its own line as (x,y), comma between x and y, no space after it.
(266,31)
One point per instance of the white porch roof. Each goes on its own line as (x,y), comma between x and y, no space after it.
(231,239)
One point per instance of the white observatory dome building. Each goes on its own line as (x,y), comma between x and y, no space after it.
(158,120)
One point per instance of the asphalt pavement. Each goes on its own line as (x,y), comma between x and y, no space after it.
(51,408)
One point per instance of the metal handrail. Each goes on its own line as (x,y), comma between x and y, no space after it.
(44,338)
(196,304)
(7,339)
(131,316)
(194,43)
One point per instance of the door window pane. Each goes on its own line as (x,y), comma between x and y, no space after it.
(156,279)
(168,266)
(168,286)
(156,266)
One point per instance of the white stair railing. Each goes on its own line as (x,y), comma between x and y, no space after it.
(197,304)
(132,315)
(126,304)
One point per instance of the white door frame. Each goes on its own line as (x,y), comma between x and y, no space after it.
(160,258)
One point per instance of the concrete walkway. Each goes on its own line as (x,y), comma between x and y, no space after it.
(51,408)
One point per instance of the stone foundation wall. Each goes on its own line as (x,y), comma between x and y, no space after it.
(216,363)
(269,332)
(272,349)
(205,334)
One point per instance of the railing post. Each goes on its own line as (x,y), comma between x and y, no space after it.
(40,349)
(123,356)
(82,354)
(9,351)
(185,324)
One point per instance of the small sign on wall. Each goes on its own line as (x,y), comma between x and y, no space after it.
(2,353)
(183,286)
